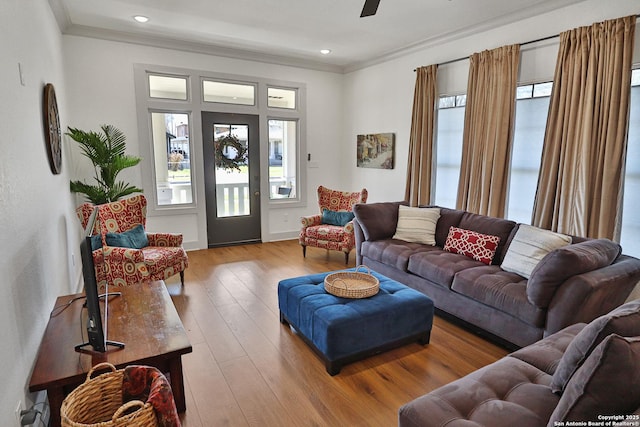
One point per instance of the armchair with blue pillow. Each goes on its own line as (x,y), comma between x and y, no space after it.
(332,229)
(124,253)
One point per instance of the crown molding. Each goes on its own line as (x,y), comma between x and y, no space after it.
(196,47)
(68,28)
(451,36)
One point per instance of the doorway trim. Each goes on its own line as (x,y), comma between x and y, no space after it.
(193,217)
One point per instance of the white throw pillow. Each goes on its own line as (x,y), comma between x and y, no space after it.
(417,225)
(529,246)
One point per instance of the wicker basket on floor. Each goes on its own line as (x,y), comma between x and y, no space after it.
(352,284)
(98,403)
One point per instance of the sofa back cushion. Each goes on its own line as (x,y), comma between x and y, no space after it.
(488,225)
(448,218)
(624,321)
(377,220)
(561,264)
(607,383)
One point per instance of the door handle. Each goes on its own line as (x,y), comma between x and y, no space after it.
(257,193)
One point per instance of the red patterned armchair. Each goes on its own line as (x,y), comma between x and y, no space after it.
(332,228)
(119,266)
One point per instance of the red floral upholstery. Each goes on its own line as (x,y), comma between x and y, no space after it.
(332,237)
(163,258)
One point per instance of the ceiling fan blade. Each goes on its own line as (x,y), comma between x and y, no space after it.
(370,8)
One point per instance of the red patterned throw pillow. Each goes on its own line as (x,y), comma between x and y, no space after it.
(481,247)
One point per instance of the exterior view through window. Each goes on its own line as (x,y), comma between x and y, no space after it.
(283,137)
(172,158)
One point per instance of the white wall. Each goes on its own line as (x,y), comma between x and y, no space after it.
(379,98)
(39,230)
(101,90)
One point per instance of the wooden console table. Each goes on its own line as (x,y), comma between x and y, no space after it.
(143,318)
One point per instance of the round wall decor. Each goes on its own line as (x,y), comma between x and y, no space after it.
(52,132)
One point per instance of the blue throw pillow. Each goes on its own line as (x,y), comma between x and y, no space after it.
(135,238)
(96,242)
(336,218)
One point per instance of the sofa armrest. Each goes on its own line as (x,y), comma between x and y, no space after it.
(164,239)
(587,296)
(359,238)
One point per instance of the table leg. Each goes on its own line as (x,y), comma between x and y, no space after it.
(55,396)
(177,383)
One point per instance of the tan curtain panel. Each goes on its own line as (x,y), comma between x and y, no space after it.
(583,158)
(488,131)
(420,168)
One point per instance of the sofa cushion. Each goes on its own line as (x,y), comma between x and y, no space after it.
(529,246)
(488,225)
(391,252)
(607,383)
(498,289)
(481,247)
(560,264)
(506,393)
(624,321)
(417,224)
(546,353)
(377,220)
(439,266)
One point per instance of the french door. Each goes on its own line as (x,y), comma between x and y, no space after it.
(232,177)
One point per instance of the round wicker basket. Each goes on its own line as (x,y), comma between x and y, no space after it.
(352,284)
(98,403)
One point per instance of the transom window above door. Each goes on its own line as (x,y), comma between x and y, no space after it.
(229,92)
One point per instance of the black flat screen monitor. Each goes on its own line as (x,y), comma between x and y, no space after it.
(95,330)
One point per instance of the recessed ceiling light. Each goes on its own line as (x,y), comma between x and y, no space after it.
(141,18)
(325,51)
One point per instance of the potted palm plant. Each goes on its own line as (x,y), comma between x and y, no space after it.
(106,150)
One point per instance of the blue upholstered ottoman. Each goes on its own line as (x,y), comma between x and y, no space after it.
(343,330)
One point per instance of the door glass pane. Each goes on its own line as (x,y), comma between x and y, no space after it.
(283,141)
(172,159)
(281,98)
(168,87)
(228,93)
(231,151)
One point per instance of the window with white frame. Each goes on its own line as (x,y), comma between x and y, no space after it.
(449,149)
(170,102)
(630,231)
(532,105)
(172,158)
(283,143)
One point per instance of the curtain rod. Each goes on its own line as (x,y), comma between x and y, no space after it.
(521,44)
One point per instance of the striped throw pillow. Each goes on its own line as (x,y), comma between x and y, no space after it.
(529,246)
(417,225)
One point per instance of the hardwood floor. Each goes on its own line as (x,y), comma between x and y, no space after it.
(247,369)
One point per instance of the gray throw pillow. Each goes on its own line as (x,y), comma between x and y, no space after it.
(607,383)
(624,321)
